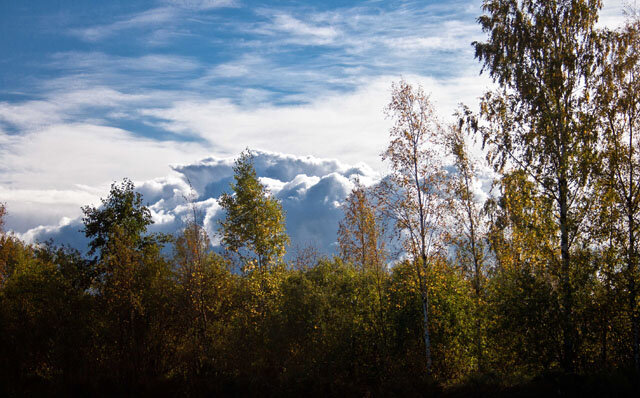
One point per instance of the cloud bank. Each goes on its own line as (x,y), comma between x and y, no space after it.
(310,189)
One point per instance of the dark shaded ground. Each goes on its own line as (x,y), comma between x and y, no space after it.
(613,384)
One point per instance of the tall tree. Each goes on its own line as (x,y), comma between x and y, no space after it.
(619,105)
(360,233)
(412,195)
(203,283)
(541,55)
(3,213)
(468,222)
(361,240)
(521,307)
(5,270)
(132,285)
(468,226)
(254,226)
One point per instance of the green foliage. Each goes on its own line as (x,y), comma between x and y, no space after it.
(619,109)
(3,212)
(361,233)
(452,319)
(122,209)
(541,120)
(45,318)
(254,228)
(523,322)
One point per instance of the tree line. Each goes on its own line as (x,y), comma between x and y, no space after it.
(434,290)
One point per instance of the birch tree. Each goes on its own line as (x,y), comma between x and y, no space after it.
(619,105)
(469,228)
(540,53)
(412,194)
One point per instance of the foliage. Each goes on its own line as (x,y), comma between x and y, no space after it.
(254,228)
(122,209)
(533,293)
(361,233)
(619,107)
(412,195)
(541,119)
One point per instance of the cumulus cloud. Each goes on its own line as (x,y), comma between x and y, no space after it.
(51,172)
(310,189)
(66,142)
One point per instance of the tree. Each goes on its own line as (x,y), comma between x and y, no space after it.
(618,99)
(521,303)
(360,234)
(468,223)
(123,209)
(412,194)
(5,256)
(132,286)
(203,282)
(541,54)
(468,227)
(254,226)
(3,213)
(361,241)
(44,319)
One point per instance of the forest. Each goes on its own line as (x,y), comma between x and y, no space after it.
(435,290)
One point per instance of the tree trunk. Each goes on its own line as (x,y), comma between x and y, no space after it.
(631,258)
(427,338)
(425,307)
(565,282)
(632,290)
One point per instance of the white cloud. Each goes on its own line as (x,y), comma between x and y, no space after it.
(151,17)
(612,14)
(41,170)
(158,19)
(242,66)
(347,126)
(302,32)
(34,234)
(203,4)
(54,152)
(310,189)
(97,61)
(69,154)
(452,35)
(63,105)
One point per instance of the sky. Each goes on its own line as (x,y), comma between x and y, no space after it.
(165,91)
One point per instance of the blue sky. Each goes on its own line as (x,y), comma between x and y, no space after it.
(282,52)
(94,91)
